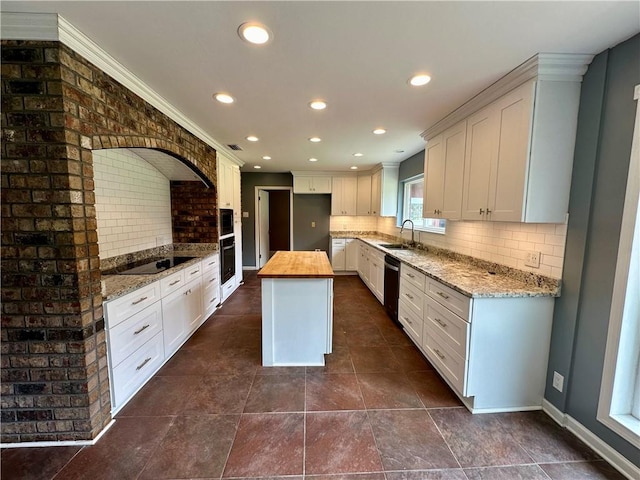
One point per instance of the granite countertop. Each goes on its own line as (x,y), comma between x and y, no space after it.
(471,277)
(117,285)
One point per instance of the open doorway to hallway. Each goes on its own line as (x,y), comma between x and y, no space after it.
(274,222)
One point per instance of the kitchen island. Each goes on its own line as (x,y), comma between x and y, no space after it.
(297,309)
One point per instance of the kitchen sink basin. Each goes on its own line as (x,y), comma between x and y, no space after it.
(394,246)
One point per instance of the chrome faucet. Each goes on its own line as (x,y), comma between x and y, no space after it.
(413,242)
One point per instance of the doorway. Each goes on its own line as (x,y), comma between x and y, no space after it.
(274,222)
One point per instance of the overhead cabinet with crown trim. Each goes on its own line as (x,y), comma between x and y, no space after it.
(518,138)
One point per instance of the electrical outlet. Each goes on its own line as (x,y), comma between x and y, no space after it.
(532,259)
(558,381)
(313,224)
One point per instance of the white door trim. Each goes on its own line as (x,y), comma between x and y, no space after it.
(256,231)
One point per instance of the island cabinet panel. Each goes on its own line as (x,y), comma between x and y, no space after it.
(297,321)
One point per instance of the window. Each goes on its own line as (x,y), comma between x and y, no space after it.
(412,207)
(619,405)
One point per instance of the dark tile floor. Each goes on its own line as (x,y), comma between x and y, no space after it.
(376,410)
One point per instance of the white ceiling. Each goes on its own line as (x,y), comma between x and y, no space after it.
(357,56)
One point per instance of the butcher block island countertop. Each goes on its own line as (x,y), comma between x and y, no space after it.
(297,265)
(297,309)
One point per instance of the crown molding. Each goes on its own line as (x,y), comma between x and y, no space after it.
(39,26)
(556,67)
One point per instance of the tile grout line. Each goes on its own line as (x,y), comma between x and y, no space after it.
(173,419)
(445,441)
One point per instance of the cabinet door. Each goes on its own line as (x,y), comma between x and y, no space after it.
(509,172)
(433,178)
(174,326)
(454,140)
(337,196)
(376,192)
(193,305)
(235,182)
(349,195)
(363,202)
(481,142)
(338,254)
(352,254)
(302,184)
(321,184)
(225,183)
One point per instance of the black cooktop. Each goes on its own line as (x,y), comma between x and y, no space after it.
(148,266)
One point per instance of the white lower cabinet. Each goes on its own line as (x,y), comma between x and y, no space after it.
(371,269)
(338,254)
(147,326)
(491,351)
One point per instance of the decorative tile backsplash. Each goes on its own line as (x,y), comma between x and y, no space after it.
(133,203)
(499,242)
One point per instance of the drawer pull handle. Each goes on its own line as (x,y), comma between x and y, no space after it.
(441,323)
(141,330)
(138,301)
(411,275)
(409,296)
(188,292)
(212,263)
(443,295)
(407,320)
(439,354)
(147,360)
(174,283)
(213,299)
(194,272)
(212,280)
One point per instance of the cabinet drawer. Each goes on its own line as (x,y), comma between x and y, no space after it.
(338,242)
(413,297)
(412,276)
(454,301)
(131,303)
(136,369)
(172,283)
(210,264)
(211,295)
(192,272)
(449,363)
(411,321)
(209,278)
(126,337)
(448,325)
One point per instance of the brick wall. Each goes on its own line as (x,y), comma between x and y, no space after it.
(193,213)
(57,108)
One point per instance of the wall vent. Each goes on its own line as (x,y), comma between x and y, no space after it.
(233,146)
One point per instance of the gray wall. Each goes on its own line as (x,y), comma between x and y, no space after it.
(412,166)
(307,209)
(248,182)
(601,164)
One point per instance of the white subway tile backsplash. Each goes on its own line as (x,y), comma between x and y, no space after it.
(133,203)
(501,242)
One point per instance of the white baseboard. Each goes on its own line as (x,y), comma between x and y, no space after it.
(64,443)
(618,461)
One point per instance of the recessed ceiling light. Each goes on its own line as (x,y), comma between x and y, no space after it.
(223,97)
(254,32)
(318,105)
(266,157)
(315,139)
(252,138)
(419,80)
(313,159)
(257,167)
(353,167)
(379,131)
(357,154)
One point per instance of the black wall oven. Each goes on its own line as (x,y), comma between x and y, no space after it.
(227,258)
(226,222)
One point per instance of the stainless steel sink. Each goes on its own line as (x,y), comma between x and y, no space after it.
(394,246)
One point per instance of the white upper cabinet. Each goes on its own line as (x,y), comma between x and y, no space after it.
(443,167)
(384,191)
(363,203)
(311,183)
(225,182)
(518,150)
(344,195)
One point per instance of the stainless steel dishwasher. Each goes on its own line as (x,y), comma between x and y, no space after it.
(391,286)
